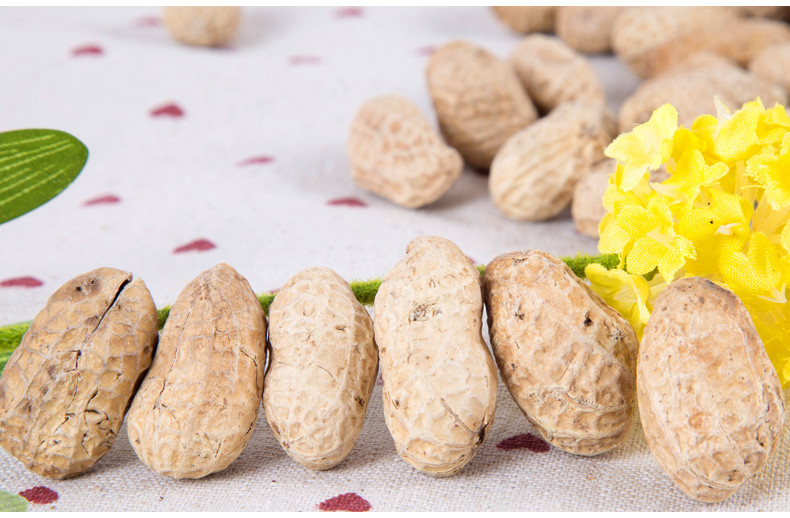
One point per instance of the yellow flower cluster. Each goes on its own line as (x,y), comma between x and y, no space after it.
(721,213)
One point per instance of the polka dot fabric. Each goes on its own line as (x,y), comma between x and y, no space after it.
(237,155)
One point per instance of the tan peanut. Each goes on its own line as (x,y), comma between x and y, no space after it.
(567,358)
(553,73)
(439,377)
(526,19)
(693,93)
(479,100)
(639,30)
(710,401)
(587,28)
(203,26)
(772,64)
(587,207)
(737,40)
(66,388)
(197,407)
(534,174)
(323,363)
(395,153)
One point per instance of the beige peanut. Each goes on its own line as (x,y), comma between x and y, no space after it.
(692,93)
(587,28)
(479,100)
(639,30)
(197,407)
(203,26)
(439,377)
(395,153)
(772,64)
(553,73)
(66,388)
(737,40)
(534,174)
(567,358)
(526,19)
(323,363)
(710,401)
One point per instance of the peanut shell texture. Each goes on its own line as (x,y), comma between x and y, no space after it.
(205,26)
(710,401)
(323,364)
(567,358)
(197,407)
(395,153)
(440,380)
(67,386)
(587,28)
(553,73)
(533,176)
(526,19)
(479,100)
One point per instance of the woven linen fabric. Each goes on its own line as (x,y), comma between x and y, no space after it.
(237,155)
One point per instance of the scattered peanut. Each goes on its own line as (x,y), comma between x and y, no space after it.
(526,19)
(737,40)
(692,93)
(535,172)
(639,30)
(479,100)
(66,388)
(439,377)
(772,64)
(323,364)
(204,26)
(197,407)
(395,153)
(710,401)
(587,28)
(567,358)
(553,73)
(587,207)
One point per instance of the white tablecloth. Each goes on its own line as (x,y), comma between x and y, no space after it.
(254,173)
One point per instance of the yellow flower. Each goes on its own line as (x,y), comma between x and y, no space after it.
(626,293)
(653,242)
(718,226)
(646,147)
(757,273)
(690,173)
(737,134)
(772,173)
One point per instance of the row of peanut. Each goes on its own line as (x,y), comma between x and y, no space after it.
(711,404)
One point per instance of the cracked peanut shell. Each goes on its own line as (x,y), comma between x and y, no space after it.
(196,409)
(567,358)
(439,377)
(322,368)
(710,401)
(479,100)
(66,388)
(395,153)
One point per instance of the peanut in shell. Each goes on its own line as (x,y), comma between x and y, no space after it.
(710,401)
(197,407)
(322,368)
(479,100)
(439,377)
(395,153)
(567,358)
(66,388)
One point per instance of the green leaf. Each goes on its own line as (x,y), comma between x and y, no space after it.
(35,166)
(9,502)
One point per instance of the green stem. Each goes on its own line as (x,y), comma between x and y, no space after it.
(364,291)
